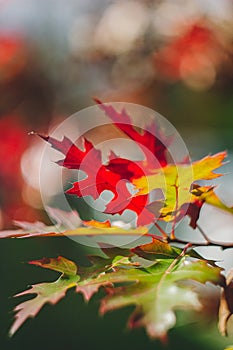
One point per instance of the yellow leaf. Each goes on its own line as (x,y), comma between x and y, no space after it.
(99,224)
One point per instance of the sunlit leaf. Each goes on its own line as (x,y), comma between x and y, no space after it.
(157,250)
(178,184)
(39,230)
(45,292)
(155,290)
(60,264)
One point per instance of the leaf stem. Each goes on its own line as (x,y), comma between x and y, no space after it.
(172,234)
(203,233)
(172,265)
(165,236)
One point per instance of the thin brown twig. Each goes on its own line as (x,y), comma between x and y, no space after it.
(203,233)
(223,245)
(209,242)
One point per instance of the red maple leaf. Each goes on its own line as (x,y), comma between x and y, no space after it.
(89,160)
(118,174)
(137,204)
(113,177)
(150,140)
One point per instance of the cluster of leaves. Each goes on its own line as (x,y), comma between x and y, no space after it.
(182,195)
(155,289)
(156,277)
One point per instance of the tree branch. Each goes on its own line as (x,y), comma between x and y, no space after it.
(223,245)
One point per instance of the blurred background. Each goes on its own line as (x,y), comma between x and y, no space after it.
(172,56)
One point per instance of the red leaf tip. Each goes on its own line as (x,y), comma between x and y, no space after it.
(97,101)
(40,262)
(46,138)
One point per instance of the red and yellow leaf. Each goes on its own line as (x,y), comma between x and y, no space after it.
(176,181)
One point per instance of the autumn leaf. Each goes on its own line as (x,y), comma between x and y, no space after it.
(118,172)
(226,305)
(69,224)
(156,290)
(113,230)
(98,177)
(157,249)
(125,200)
(53,292)
(139,204)
(182,196)
(160,249)
(151,145)
(180,175)
(45,292)
(63,220)
(96,276)
(208,196)
(113,176)
(178,184)
(98,224)
(60,264)
(202,195)
(29,229)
